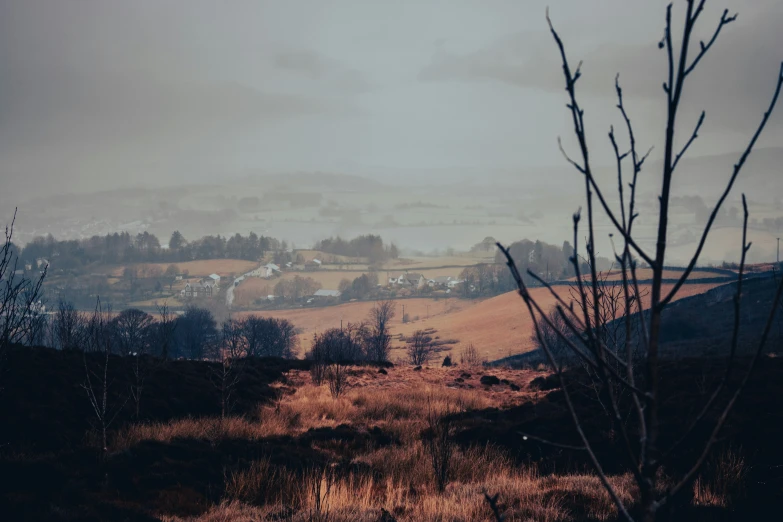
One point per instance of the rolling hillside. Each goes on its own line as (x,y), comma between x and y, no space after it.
(498,327)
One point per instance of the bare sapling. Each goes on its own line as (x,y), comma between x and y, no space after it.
(439,441)
(628,365)
(97,381)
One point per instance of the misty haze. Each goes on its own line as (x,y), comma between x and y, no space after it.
(352,260)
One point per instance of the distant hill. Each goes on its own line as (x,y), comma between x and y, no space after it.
(701,323)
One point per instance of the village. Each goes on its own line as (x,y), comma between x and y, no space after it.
(317,279)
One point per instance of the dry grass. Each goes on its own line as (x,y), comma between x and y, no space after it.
(209,428)
(253,288)
(722,482)
(399,478)
(364,404)
(405,491)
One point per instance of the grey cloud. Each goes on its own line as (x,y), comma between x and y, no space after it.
(315,66)
(736,77)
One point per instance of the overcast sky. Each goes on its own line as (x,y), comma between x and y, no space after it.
(97,94)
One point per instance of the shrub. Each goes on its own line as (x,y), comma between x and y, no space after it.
(469,356)
(440,445)
(337,377)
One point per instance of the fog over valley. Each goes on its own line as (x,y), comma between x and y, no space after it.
(431,125)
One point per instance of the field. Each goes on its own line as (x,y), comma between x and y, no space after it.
(498,327)
(200,268)
(253,288)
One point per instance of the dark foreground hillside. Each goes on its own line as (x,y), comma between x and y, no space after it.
(49,436)
(287,437)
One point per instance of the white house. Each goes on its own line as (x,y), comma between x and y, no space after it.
(415,280)
(265,271)
(408,280)
(214,279)
(198,289)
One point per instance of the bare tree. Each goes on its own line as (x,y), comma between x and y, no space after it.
(225,376)
(228,352)
(640,440)
(420,348)
(68,327)
(268,337)
(469,355)
(379,340)
(553,332)
(97,381)
(332,351)
(132,329)
(197,332)
(233,339)
(38,329)
(19,296)
(164,330)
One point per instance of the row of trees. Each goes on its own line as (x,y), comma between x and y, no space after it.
(193,335)
(485,280)
(369,246)
(145,247)
(550,262)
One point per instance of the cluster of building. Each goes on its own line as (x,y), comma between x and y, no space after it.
(416,281)
(206,287)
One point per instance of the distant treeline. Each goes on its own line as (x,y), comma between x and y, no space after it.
(550,262)
(195,334)
(145,248)
(369,246)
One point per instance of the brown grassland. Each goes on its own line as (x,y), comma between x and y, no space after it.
(397,405)
(290,451)
(464,321)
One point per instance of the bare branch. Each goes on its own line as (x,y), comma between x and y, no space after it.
(568,158)
(737,168)
(725,19)
(693,137)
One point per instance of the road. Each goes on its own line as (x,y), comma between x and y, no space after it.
(230,289)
